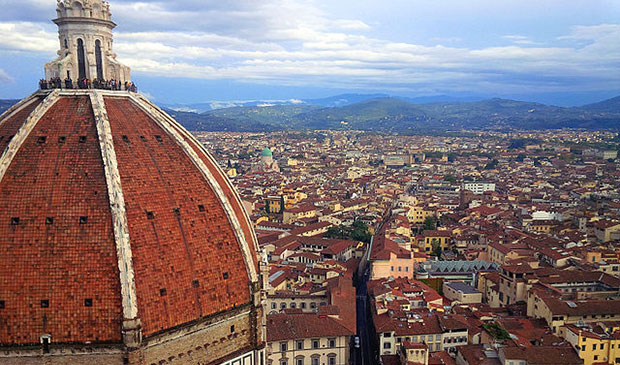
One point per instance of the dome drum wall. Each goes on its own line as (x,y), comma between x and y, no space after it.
(213,340)
(168,217)
(65,355)
(209,341)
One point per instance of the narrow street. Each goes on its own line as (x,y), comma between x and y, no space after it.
(363,355)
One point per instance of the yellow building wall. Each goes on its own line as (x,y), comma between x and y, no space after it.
(418,215)
(428,243)
(593,350)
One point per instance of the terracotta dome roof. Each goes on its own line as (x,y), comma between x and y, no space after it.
(110,211)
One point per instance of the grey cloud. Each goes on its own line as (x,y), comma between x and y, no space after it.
(248,19)
(291,42)
(27,10)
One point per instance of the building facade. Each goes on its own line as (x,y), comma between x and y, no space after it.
(479,187)
(297,338)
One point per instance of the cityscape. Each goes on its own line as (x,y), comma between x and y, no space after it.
(375,226)
(480,249)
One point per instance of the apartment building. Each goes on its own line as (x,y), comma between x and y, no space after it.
(295,338)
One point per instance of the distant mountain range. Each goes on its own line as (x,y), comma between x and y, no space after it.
(390,114)
(6,104)
(378,112)
(332,101)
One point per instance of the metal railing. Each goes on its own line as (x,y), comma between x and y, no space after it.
(85,84)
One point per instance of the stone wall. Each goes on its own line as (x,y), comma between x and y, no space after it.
(212,341)
(204,343)
(63,355)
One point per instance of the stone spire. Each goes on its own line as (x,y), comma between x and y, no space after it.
(85,34)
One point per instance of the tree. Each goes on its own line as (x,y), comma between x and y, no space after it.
(320,137)
(436,246)
(496,331)
(358,231)
(336,232)
(450,178)
(430,224)
(361,236)
(492,165)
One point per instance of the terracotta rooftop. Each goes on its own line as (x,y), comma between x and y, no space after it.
(543,355)
(284,326)
(582,308)
(192,246)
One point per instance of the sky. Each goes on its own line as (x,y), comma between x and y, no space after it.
(191,51)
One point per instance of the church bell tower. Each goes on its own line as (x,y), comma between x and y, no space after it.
(85,35)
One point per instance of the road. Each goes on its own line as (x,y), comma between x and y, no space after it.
(364,355)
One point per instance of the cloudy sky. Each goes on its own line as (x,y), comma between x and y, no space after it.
(565,52)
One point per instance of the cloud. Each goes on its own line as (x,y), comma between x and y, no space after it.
(345,24)
(594,32)
(185,109)
(519,39)
(26,36)
(5,78)
(296,43)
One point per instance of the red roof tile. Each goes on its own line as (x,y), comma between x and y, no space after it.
(61,251)
(283,326)
(65,262)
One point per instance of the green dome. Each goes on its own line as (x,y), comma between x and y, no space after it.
(267,152)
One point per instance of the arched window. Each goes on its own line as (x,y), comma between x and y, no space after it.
(77,9)
(66,44)
(331,359)
(81,59)
(96,12)
(99,59)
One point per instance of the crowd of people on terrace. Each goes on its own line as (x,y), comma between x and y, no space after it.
(57,83)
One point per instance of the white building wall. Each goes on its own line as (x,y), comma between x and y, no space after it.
(479,188)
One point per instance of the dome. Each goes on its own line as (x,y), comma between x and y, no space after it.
(121,240)
(267,152)
(118,228)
